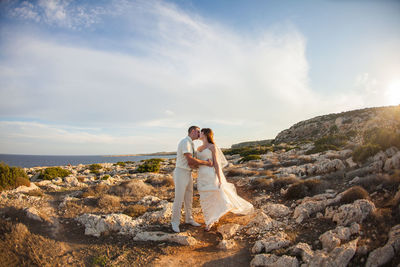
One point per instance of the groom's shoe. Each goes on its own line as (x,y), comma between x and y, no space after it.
(194,223)
(175,227)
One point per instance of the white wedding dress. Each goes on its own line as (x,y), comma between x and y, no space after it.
(214,201)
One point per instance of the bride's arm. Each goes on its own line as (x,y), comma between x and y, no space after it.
(216,164)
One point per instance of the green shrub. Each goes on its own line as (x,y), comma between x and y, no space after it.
(94,168)
(149,165)
(362,153)
(120,163)
(105,177)
(383,137)
(329,142)
(53,172)
(12,177)
(249,150)
(249,157)
(100,261)
(334,129)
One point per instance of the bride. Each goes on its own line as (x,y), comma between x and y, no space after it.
(217,196)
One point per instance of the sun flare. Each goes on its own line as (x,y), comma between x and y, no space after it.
(392,94)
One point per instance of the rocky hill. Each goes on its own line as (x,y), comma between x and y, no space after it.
(351,123)
(331,201)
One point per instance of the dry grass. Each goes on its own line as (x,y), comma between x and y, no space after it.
(273,184)
(161,181)
(135,210)
(239,172)
(354,193)
(285,181)
(34,193)
(304,188)
(134,188)
(21,181)
(108,201)
(262,183)
(389,182)
(95,191)
(255,164)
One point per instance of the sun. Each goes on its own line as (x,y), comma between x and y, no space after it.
(392,93)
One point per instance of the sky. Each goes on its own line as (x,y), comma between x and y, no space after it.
(108,77)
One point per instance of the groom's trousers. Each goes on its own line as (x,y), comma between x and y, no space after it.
(183,193)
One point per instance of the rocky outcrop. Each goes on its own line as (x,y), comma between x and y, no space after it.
(180,238)
(383,255)
(269,244)
(355,212)
(276,210)
(313,205)
(261,223)
(333,238)
(228,230)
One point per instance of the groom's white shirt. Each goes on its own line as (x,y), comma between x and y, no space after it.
(186,145)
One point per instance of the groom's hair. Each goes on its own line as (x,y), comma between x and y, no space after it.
(191,128)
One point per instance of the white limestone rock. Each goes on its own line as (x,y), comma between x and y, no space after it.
(270,243)
(335,237)
(226,244)
(180,238)
(33,213)
(228,230)
(261,223)
(354,212)
(271,260)
(304,251)
(276,210)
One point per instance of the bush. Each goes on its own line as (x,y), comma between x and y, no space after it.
(304,189)
(105,177)
(107,201)
(262,183)
(329,142)
(161,181)
(249,157)
(96,190)
(248,150)
(53,172)
(362,153)
(149,165)
(12,177)
(135,210)
(94,168)
(383,137)
(354,193)
(120,163)
(134,188)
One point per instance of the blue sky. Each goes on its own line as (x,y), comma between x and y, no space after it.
(121,77)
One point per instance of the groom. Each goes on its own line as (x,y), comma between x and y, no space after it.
(185,162)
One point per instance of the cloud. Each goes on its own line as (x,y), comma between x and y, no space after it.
(160,70)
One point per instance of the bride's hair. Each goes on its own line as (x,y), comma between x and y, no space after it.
(210,135)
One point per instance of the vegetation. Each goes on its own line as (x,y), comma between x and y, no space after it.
(100,261)
(105,177)
(362,153)
(94,168)
(53,172)
(354,193)
(136,210)
(108,201)
(253,144)
(120,163)
(149,165)
(12,177)
(303,189)
(383,137)
(329,142)
(249,157)
(160,181)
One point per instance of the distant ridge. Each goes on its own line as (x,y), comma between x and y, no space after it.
(266,142)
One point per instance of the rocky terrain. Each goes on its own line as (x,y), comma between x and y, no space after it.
(312,209)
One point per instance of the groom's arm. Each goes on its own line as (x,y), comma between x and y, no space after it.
(196,162)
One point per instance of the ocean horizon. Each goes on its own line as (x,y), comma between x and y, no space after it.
(29,161)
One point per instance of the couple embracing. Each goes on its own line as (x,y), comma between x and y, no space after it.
(217,196)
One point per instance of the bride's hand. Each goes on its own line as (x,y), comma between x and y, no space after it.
(210,163)
(219,184)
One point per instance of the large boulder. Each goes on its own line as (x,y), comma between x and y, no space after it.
(335,237)
(276,210)
(228,230)
(261,223)
(269,244)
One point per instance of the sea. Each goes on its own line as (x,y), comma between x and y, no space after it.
(29,161)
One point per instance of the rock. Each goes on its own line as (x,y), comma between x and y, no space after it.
(228,230)
(350,162)
(33,213)
(226,244)
(276,210)
(384,254)
(338,257)
(149,201)
(260,223)
(355,212)
(180,238)
(272,260)
(355,180)
(269,244)
(24,189)
(43,183)
(333,238)
(67,199)
(393,162)
(162,216)
(390,152)
(96,224)
(303,250)
(310,206)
